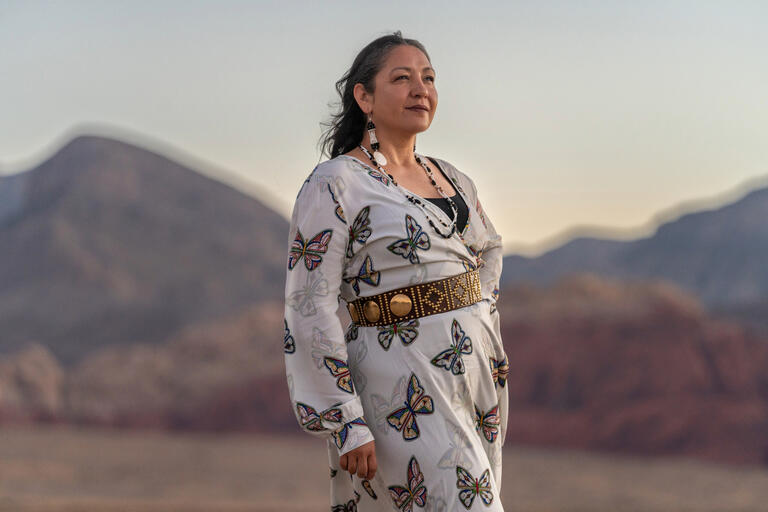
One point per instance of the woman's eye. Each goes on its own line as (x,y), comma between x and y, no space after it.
(406,76)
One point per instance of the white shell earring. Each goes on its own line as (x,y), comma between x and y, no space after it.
(377,155)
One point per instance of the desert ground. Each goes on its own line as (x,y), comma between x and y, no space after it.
(75,469)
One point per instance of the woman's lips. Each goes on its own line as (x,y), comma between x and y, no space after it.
(417,109)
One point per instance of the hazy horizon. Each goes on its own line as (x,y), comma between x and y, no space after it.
(597,114)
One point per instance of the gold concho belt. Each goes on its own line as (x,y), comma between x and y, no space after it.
(417,300)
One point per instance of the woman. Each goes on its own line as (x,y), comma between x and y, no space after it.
(412,397)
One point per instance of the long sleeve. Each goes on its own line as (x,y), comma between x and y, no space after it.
(490,276)
(322,391)
(492,256)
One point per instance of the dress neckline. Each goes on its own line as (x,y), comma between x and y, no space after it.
(441,197)
(428,204)
(439,168)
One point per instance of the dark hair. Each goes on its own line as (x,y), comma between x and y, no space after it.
(345,128)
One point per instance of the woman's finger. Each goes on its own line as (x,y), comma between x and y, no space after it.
(352,465)
(343,461)
(372,466)
(362,466)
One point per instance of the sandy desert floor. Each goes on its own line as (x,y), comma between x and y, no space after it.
(89,470)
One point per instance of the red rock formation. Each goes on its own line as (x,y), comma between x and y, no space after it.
(633,367)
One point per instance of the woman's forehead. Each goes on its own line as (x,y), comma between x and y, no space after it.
(406,56)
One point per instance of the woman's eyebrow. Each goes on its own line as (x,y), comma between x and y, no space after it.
(409,69)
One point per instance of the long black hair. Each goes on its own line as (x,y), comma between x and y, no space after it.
(345,128)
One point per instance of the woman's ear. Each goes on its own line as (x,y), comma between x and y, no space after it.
(362,97)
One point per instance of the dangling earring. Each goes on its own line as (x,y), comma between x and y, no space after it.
(380,159)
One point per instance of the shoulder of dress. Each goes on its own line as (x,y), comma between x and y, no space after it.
(334,171)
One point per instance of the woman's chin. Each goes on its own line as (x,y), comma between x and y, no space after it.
(415,127)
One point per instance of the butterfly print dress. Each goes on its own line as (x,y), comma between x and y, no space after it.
(430,391)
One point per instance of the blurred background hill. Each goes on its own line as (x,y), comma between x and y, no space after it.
(157,298)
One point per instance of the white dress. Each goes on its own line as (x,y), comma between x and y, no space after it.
(430,391)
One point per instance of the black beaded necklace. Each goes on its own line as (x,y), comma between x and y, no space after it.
(417,201)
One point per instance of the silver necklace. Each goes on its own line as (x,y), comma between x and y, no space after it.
(417,201)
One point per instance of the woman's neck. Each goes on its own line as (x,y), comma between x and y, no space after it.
(398,150)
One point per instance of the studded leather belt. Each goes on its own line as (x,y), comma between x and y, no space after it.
(417,300)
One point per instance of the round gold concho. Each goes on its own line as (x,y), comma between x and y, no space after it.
(400,304)
(353,313)
(371,311)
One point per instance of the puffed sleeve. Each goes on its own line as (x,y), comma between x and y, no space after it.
(323,396)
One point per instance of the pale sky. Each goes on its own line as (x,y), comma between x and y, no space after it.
(566,114)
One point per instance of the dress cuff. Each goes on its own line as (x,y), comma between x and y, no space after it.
(356,435)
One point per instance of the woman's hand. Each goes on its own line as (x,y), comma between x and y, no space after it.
(361,460)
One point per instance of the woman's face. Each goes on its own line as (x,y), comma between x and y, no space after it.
(405,80)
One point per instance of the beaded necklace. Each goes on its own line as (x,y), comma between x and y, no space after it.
(417,201)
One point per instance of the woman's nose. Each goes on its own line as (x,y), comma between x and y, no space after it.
(419,89)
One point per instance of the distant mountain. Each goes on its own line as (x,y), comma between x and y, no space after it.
(136,292)
(718,255)
(106,243)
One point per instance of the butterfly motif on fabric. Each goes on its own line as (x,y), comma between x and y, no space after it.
(333,414)
(406,330)
(310,419)
(323,346)
(414,492)
(470,488)
(351,333)
(499,371)
(495,293)
(366,274)
(350,506)
(471,250)
(340,370)
(467,264)
(416,238)
(340,436)
(378,176)
(360,230)
(333,472)
(450,359)
(381,406)
(289,344)
(488,422)
(416,402)
(459,448)
(369,489)
(303,299)
(311,250)
(338,210)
